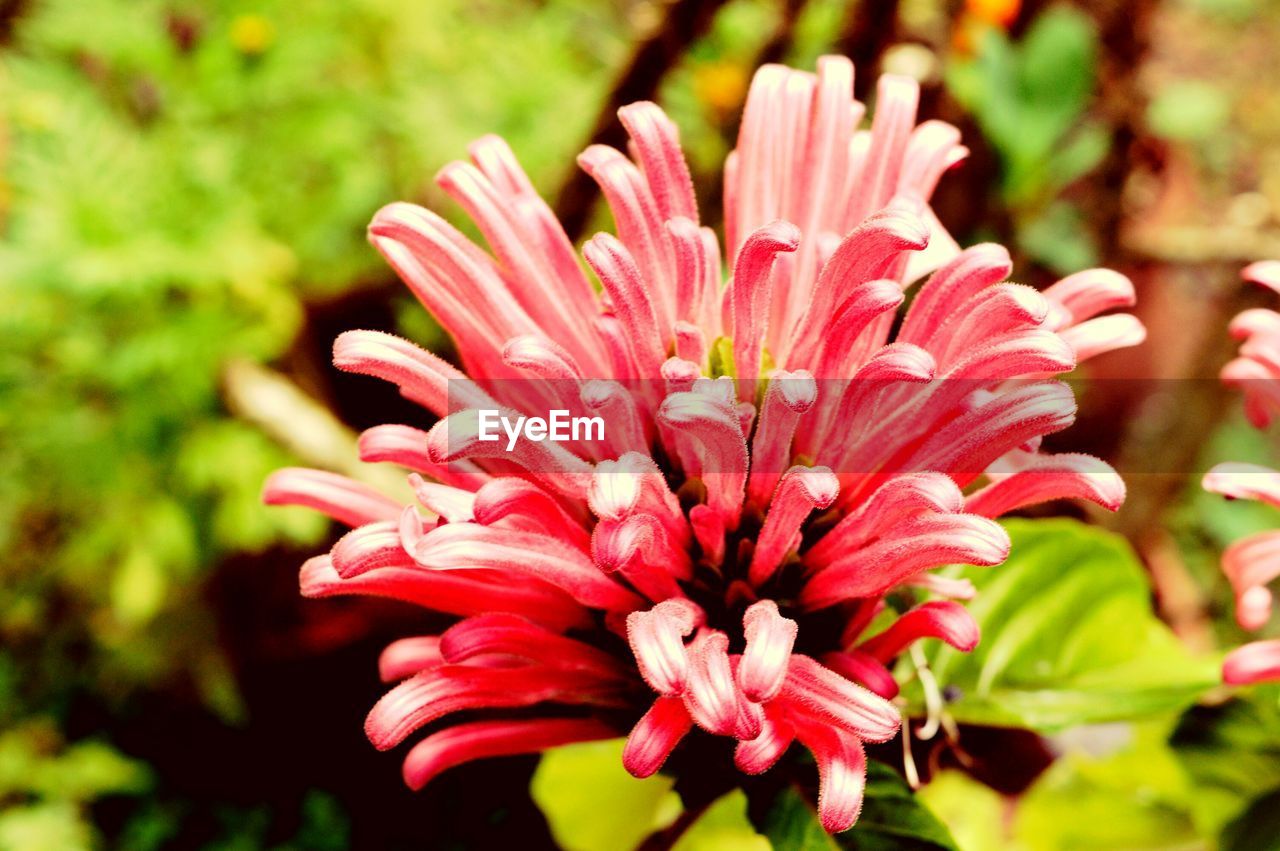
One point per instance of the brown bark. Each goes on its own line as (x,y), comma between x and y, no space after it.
(869,27)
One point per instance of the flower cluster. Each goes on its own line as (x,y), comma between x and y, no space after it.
(1253,562)
(784,451)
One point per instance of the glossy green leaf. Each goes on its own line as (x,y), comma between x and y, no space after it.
(591,802)
(793,824)
(723,827)
(1068,637)
(893,817)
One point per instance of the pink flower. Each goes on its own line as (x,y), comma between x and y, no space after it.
(1251,563)
(718,564)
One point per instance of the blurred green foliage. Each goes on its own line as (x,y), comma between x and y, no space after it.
(1031,98)
(48,784)
(177,181)
(1232,753)
(180,178)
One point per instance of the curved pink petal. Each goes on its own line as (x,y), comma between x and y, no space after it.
(344,499)
(944,619)
(770,637)
(408,656)
(655,736)
(1258,662)
(461,743)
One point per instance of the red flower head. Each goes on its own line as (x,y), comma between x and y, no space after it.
(781,452)
(1253,562)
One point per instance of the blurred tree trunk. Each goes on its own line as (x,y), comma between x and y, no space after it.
(1124,39)
(10,11)
(869,27)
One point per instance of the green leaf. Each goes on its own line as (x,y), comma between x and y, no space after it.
(1068,637)
(1189,111)
(1057,59)
(1258,829)
(591,802)
(1057,236)
(138,588)
(793,824)
(975,813)
(1231,752)
(893,817)
(1115,786)
(1030,96)
(44,827)
(723,827)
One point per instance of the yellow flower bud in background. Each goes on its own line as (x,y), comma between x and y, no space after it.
(252,35)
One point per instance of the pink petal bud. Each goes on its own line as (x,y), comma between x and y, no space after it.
(657,640)
(407,446)
(420,375)
(521,505)
(971,271)
(926,542)
(655,736)
(711,695)
(842,773)
(1250,564)
(770,637)
(657,147)
(370,547)
(897,98)
(517,638)
(1104,334)
(343,499)
(864,669)
(942,619)
(542,357)
(790,394)
(1265,272)
(461,743)
(1258,662)
(749,295)
(1050,477)
(447,592)
(899,498)
(1244,481)
(758,755)
(802,491)
(824,694)
(1088,293)
(453,504)
(467,546)
(714,429)
(641,316)
(437,692)
(408,656)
